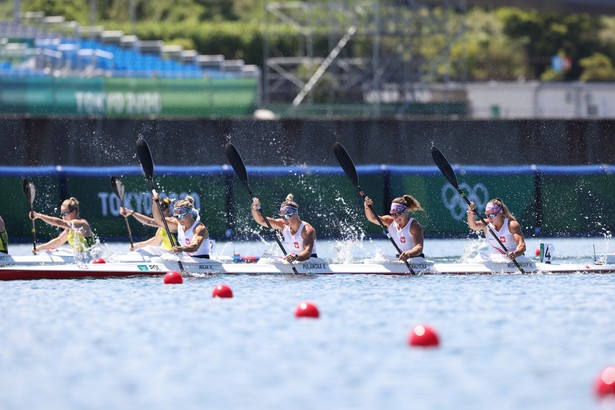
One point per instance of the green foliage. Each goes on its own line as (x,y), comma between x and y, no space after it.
(503,44)
(597,67)
(545,34)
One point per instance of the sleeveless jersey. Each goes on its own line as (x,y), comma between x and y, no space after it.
(294,243)
(4,242)
(79,242)
(402,237)
(505,237)
(184,238)
(166,241)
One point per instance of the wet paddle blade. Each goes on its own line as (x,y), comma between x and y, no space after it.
(445,167)
(145,157)
(118,188)
(346,163)
(238,166)
(30,191)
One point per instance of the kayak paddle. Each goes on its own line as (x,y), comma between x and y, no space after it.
(147,163)
(118,188)
(351,172)
(447,170)
(240,170)
(30,191)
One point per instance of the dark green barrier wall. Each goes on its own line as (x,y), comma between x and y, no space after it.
(128,97)
(548,200)
(571,203)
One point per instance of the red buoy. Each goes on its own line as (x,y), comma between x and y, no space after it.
(423,336)
(605,383)
(173,278)
(537,251)
(99,260)
(307,309)
(222,291)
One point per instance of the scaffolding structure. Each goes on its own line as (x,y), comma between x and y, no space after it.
(366,53)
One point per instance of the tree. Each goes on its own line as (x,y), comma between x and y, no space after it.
(597,67)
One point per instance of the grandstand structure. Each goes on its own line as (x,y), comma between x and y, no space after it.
(366,55)
(51,67)
(40,45)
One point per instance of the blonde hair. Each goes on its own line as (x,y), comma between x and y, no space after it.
(188,201)
(505,211)
(289,201)
(410,202)
(72,204)
(188,205)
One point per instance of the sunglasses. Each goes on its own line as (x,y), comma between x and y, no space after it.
(491,216)
(180,216)
(65,213)
(396,214)
(286,216)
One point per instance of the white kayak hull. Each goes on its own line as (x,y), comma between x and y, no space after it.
(205,267)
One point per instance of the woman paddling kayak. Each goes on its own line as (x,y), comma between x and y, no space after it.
(4,237)
(77,231)
(405,230)
(161,239)
(192,234)
(299,236)
(503,224)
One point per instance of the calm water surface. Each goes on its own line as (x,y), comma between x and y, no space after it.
(507,342)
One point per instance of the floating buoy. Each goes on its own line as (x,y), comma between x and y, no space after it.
(173,278)
(605,383)
(222,291)
(99,260)
(423,336)
(537,251)
(307,309)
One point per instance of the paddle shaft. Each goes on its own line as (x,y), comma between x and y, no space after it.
(29,191)
(129,231)
(118,189)
(33,230)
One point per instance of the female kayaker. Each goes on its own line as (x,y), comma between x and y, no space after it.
(503,224)
(4,237)
(406,231)
(161,239)
(299,236)
(77,231)
(192,234)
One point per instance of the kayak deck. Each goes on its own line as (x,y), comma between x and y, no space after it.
(196,267)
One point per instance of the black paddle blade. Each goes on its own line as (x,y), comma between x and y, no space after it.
(118,187)
(445,167)
(237,163)
(145,157)
(29,191)
(346,163)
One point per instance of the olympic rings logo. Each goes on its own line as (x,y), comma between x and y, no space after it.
(457,205)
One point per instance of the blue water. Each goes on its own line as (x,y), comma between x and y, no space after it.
(507,342)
